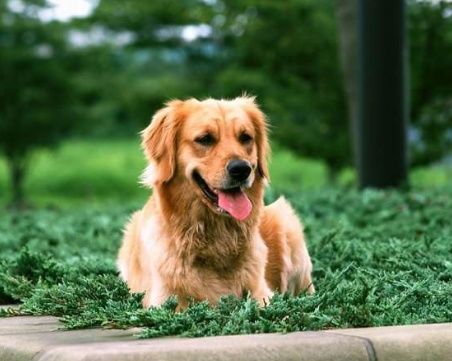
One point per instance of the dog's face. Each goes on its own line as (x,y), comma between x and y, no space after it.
(217,147)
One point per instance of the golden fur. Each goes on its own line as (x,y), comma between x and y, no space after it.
(180,243)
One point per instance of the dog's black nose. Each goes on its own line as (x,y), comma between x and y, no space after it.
(238,170)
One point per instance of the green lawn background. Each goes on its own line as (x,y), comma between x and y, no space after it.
(100,171)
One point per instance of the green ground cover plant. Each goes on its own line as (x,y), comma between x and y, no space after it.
(380,258)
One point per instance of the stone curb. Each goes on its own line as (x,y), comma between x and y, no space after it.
(39,339)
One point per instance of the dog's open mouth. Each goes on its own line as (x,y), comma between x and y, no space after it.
(233,201)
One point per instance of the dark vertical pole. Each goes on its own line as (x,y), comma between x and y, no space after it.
(382,97)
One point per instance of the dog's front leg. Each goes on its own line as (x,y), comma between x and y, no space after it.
(257,285)
(157,294)
(261,292)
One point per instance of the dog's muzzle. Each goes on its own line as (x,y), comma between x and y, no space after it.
(238,170)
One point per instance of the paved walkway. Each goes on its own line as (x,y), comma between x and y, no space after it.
(39,339)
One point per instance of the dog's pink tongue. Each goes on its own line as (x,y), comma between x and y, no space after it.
(236,204)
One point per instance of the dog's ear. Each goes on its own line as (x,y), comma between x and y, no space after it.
(260,124)
(159,142)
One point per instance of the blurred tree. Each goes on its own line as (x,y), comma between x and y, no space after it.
(347,15)
(146,62)
(430,41)
(430,29)
(35,91)
(287,53)
(284,52)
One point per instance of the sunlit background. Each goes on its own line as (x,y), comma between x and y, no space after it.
(79,79)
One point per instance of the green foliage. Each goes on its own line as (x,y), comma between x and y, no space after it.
(36,93)
(434,125)
(298,83)
(133,57)
(284,52)
(380,258)
(430,31)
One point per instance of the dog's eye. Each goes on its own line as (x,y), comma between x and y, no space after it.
(206,139)
(245,138)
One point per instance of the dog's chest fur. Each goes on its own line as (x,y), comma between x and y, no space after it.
(202,262)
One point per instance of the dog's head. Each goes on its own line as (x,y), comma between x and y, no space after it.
(218,148)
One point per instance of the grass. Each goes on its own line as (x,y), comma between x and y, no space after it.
(380,258)
(83,171)
(96,172)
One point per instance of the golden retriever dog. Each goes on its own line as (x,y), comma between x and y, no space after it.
(205,232)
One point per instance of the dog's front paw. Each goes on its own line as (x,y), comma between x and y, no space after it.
(263,298)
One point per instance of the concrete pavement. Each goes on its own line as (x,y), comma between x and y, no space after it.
(41,339)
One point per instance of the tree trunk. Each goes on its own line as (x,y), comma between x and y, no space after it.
(347,23)
(382,94)
(17,169)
